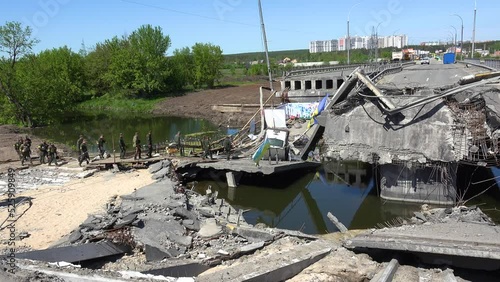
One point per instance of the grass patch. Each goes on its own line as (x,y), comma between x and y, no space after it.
(114,105)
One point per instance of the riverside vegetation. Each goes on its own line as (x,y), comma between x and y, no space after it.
(130,72)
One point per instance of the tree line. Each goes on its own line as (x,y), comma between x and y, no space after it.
(39,89)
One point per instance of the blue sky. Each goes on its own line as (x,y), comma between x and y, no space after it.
(234,25)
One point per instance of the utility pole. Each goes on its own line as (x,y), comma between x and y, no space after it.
(265,47)
(348,40)
(474,31)
(376,42)
(461,37)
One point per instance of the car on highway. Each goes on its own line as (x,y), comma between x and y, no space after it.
(425,60)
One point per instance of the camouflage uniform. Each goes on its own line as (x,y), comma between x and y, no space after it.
(123,147)
(137,143)
(52,154)
(26,152)
(42,150)
(100,146)
(85,153)
(17,147)
(150,145)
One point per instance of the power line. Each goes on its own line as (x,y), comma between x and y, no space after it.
(211,18)
(189,14)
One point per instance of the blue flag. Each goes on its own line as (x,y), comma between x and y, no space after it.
(317,111)
(257,156)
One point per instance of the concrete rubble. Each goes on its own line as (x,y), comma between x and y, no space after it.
(177,234)
(34,177)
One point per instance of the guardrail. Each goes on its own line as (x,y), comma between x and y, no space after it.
(488,64)
(313,70)
(368,68)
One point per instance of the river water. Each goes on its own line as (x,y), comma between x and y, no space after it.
(162,129)
(346,189)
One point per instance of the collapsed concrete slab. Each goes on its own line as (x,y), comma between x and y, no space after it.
(275,267)
(76,254)
(462,244)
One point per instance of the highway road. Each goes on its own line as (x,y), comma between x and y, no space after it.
(434,75)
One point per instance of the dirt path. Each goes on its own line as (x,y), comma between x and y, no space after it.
(57,210)
(9,134)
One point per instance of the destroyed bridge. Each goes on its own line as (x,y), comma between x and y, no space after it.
(418,124)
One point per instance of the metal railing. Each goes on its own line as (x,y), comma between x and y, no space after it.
(486,63)
(368,68)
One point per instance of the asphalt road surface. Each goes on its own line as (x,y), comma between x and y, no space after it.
(434,75)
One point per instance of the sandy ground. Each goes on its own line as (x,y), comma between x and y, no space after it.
(57,210)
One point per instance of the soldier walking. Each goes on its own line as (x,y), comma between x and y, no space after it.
(137,143)
(17,147)
(79,144)
(100,146)
(123,147)
(26,151)
(43,151)
(207,148)
(52,154)
(179,143)
(27,139)
(85,153)
(150,144)
(227,146)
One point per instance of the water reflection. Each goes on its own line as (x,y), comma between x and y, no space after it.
(346,189)
(162,129)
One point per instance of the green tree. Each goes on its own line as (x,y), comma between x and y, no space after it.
(130,66)
(182,65)
(50,83)
(148,48)
(208,63)
(16,42)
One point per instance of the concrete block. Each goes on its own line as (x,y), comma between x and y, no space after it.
(251,247)
(75,236)
(154,168)
(253,235)
(155,254)
(160,174)
(209,228)
(231,182)
(191,224)
(387,273)
(184,213)
(125,221)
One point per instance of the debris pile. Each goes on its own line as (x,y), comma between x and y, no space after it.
(166,222)
(471,214)
(32,178)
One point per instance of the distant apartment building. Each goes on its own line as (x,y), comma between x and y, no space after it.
(319,46)
(432,43)
(357,42)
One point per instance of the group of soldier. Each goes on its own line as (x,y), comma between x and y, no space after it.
(83,152)
(46,152)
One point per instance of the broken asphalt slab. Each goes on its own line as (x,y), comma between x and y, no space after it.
(462,243)
(76,254)
(274,267)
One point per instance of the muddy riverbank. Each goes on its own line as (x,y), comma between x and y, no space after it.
(199,104)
